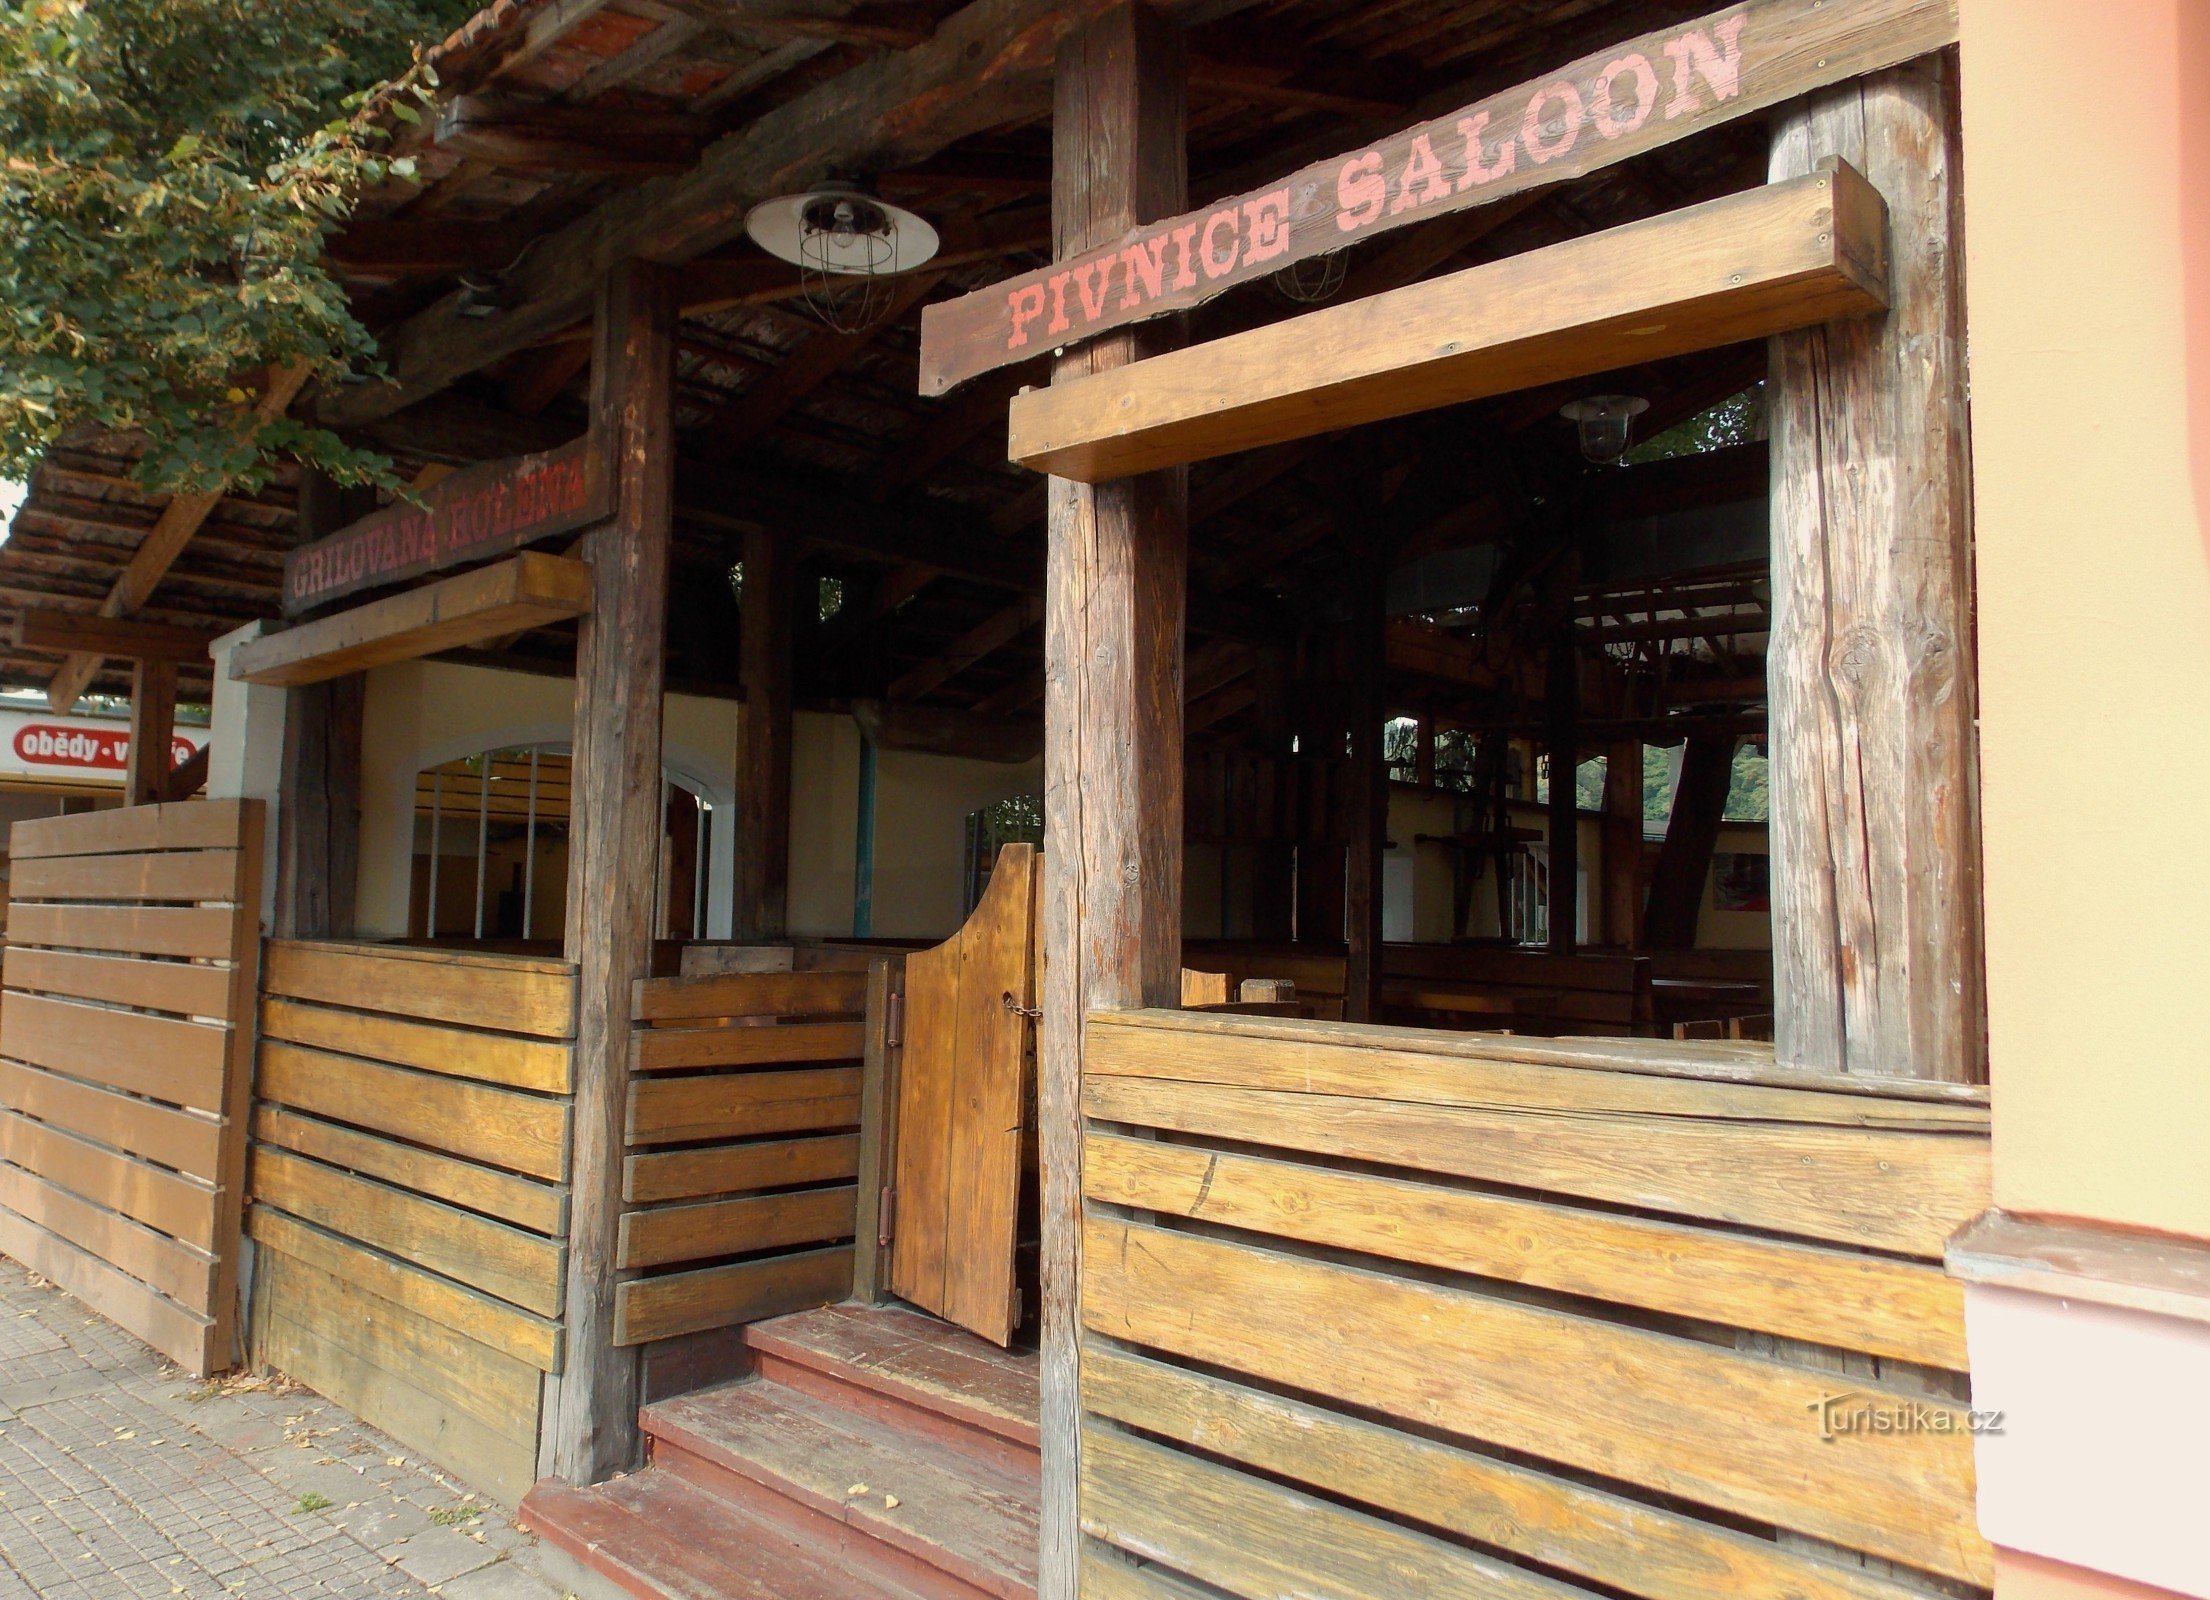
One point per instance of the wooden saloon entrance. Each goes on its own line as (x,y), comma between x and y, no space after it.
(1439,1272)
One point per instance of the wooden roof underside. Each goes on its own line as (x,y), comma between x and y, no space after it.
(563,114)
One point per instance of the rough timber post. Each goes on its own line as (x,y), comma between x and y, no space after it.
(1368,819)
(318,809)
(1562,669)
(763,740)
(1117,572)
(1877,965)
(152,731)
(614,842)
(1621,857)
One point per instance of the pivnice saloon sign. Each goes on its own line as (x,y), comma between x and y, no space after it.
(1605,108)
(480,512)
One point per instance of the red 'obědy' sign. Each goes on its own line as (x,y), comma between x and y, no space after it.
(479,512)
(1602,109)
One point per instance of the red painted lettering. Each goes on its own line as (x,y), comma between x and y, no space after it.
(1719,66)
(1024,305)
(1185,269)
(1143,271)
(1266,227)
(1421,182)
(1360,191)
(1603,108)
(1546,137)
(1099,273)
(1478,170)
(1219,266)
(1058,322)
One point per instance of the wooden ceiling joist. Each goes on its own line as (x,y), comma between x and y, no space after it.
(123,639)
(986,65)
(818,357)
(1786,255)
(164,542)
(994,632)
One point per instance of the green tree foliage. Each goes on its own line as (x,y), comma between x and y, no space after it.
(1739,419)
(168,169)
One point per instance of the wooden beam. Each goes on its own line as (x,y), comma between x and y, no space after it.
(318,804)
(943,731)
(590,1423)
(1787,255)
(1600,110)
(1691,833)
(983,67)
(1621,860)
(115,638)
(1561,723)
(788,499)
(152,731)
(1417,650)
(1367,822)
(537,136)
(767,615)
(1118,567)
(189,776)
(164,542)
(391,247)
(522,592)
(1878,960)
(818,357)
(991,633)
(541,375)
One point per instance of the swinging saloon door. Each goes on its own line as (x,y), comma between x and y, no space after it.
(966,1090)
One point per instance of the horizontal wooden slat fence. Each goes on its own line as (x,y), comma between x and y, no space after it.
(740,1188)
(1375,1312)
(410,1169)
(124,1068)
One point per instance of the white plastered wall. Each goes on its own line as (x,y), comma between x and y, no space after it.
(423,713)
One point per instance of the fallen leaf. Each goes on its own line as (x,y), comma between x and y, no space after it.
(890,1502)
(856,1490)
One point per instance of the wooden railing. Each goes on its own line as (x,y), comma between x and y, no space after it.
(411,1156)
(1377,1311)
(123,1066)
(740,1187)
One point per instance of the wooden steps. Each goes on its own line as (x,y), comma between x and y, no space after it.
(749,1488)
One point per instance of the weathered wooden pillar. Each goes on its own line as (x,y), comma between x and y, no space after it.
(1117,573)
(613,847)
(1562,696)
(152,731)
(318,808)
(763,740)
(1622,855)
(1368,819)
(1691,833)
(1878,956)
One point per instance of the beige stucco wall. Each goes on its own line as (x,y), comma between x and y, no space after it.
(421,713)
(2087,190)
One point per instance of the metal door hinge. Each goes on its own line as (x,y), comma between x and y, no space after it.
(886,1211)
(893,1025)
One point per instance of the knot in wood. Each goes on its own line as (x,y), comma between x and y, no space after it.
(1858,660)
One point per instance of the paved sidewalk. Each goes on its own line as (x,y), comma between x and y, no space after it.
(121,1476)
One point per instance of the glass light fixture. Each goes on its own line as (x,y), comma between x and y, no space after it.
(1606,422)
(846,244)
